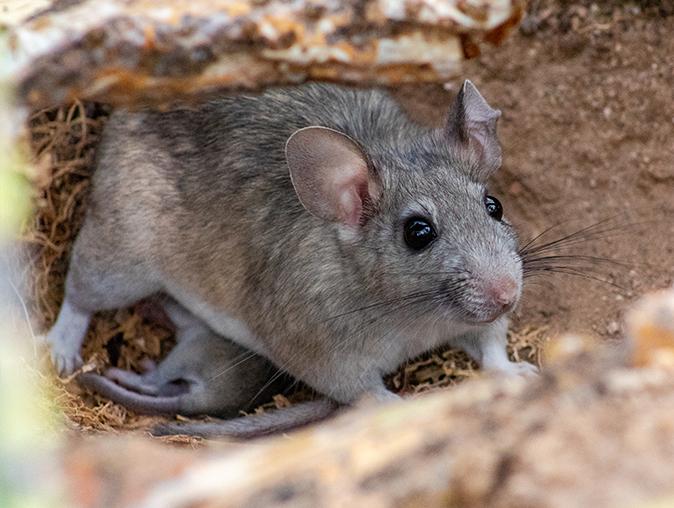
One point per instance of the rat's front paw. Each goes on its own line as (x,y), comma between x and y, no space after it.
(66,359)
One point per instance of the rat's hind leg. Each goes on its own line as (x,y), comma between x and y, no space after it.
(175,386)
(203,374)
(141,383)
(100,277)
(168,378)
(187,324)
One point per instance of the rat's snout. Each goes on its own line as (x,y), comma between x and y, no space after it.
(502,292)
(490,280)
(497,295)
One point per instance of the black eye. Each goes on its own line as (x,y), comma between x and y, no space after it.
(418,233)
(494,208)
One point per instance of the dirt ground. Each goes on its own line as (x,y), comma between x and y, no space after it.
(587,96)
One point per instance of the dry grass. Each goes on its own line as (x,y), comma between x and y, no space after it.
(63,142)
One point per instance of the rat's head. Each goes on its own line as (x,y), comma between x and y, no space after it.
(415,214)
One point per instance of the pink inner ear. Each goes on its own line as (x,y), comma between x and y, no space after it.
(350,207)
(330,174)
(351,195)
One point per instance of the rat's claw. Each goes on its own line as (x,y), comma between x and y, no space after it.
(65,353)
(66,362)
(65,358)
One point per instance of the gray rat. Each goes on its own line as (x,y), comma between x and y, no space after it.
(316,226)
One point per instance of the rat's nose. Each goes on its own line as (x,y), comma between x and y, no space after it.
(503,292)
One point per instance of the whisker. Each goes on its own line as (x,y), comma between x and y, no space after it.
(573,272)
(411,296)
(443,272)
(436,296)
(595,260)
(541,234)
(276,376)
(247,356)
(595,231)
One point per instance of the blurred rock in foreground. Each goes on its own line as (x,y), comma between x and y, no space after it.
(591,431)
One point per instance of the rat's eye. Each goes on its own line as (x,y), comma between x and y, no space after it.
(419,233)
(494,208)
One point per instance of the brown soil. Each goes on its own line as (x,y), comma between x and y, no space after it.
(587,96)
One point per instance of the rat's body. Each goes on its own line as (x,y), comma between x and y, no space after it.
(200,204)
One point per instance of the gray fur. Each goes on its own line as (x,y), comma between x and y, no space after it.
(198,203)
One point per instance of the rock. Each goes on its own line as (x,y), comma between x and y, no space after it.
(613,327)
(123,51)
(650,327)
(487,442)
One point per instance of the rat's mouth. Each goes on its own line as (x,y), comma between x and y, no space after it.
(484,321)
(489,298)
(486,314)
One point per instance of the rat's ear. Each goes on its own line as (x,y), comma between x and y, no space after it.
(330,174)
(472,127)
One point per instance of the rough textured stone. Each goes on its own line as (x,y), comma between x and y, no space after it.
(593,430)
(122,51)
(589,432)
(651,329)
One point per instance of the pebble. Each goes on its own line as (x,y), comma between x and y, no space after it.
(613,327)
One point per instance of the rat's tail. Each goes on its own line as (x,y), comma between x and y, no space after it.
(256,425)
(138,402)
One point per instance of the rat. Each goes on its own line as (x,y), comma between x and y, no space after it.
(316,226)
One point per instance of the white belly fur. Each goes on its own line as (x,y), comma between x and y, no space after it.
(217,319)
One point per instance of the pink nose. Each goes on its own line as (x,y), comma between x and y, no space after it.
(503,292)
